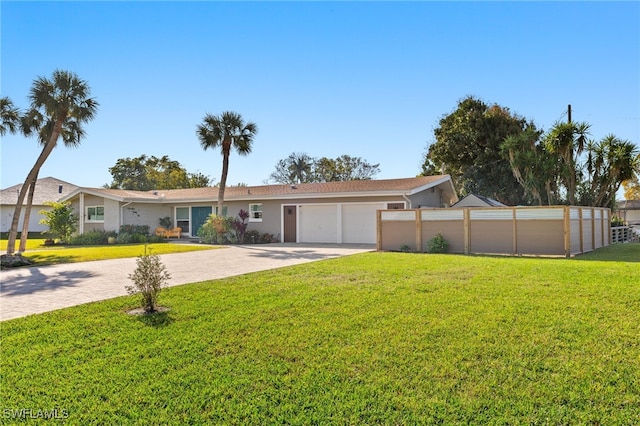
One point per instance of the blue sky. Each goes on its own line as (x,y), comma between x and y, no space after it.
(367,79)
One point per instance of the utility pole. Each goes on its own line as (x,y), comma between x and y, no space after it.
(569,112)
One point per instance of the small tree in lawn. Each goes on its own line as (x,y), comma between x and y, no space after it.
(60,220)
(148,279)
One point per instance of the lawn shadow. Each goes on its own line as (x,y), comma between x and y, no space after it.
(156,319)
(37,281)
(289,254)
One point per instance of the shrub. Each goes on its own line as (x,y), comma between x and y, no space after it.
(252,237)
(405,248)
(149,277)
(217,230)
(92,238)
(437,244)
(135,229)
(240,224)
(266,238)
(166,222)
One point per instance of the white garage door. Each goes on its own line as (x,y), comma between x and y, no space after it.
(318,223)
(338,223)
(359,222)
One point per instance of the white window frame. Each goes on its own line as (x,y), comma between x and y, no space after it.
(89,220)
(252,218)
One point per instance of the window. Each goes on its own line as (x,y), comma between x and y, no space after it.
(182,218)
(224,211)
(395,206)
(255,212)
(95,214)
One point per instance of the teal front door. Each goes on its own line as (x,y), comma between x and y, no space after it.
(199,216)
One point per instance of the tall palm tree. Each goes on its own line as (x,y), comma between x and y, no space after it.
(228,130)
(59,108)
(9,116)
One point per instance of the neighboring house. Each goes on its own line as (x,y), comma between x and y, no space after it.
(474,200)
(47,189)
(629,211)
(330,212)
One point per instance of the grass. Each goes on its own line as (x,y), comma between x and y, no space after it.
(42,255)
(376,338)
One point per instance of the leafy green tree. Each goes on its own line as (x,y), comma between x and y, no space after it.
(226,131)
(9,116)
(301,168)
(147,173)
(344,168)
(60,219)
(467,147)
(296,168)
(59,108)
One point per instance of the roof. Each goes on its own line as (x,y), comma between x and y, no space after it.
(405,186)
(628,205)
(47,189)
(490,202)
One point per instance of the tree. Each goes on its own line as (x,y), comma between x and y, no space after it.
(344,168)
(147,173)
(9,116)
(610,162)
(149,277)
(60,220)
(567,141)
(467,147)
(296,168)
(301,168)
(59,108)
(552,170)
(632,186)
(226,131)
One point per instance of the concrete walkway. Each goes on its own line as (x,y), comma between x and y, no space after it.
(26,291)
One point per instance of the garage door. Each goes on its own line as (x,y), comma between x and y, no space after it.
(318,223)
(359,222)
(339,223)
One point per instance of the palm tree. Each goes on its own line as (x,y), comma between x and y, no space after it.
(228,130)
(568,140)
(59,108)
(9,117)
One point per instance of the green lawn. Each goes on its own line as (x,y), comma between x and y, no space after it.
(42,255)
(376,338)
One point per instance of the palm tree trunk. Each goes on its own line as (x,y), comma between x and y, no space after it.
(27,216)
(31,180)
(226,149)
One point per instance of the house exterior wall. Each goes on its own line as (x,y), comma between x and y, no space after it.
(144,214)
(6,214)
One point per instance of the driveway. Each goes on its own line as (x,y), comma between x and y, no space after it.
(26,291)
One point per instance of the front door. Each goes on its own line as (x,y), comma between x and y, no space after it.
(290,231)
(199,216)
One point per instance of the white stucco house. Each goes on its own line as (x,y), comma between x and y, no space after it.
(330,212)
(47,189)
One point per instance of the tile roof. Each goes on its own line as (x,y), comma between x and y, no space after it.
(47,189)
(304,190)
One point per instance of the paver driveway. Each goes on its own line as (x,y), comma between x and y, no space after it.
(26,291)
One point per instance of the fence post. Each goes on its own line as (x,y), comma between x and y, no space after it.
(379,230)
(567,231)
(419,247)
(467,234)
